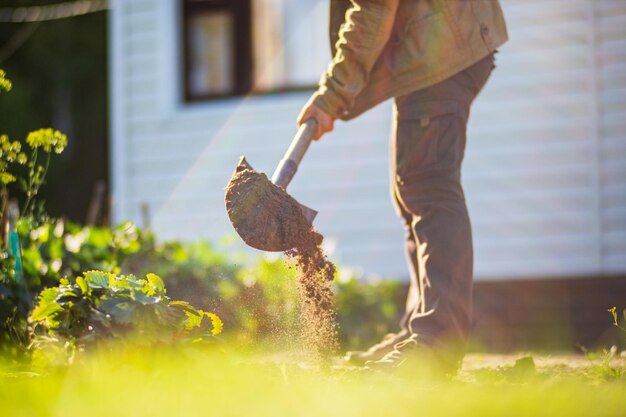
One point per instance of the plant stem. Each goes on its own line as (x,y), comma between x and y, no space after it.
(35,183)
(31,174)
(3,199)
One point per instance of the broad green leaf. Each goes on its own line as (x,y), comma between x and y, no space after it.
(48,295)
(47,305)
(217,323)
(69,291)
(120,283)
(144,299)
(120,312)
(156,282)
(185,306)
(97,279)
(193,320)
(82,285)
(131,281)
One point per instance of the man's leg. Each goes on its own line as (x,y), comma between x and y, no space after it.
(410,247)
(427,152)
(388,343)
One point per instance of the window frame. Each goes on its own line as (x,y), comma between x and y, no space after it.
(240,11)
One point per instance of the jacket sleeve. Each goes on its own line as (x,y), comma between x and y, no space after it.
(362,37)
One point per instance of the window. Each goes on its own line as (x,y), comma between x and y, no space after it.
(217,41)
(237,47)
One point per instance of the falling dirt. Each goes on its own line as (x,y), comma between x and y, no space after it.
(315,277)
(268,218)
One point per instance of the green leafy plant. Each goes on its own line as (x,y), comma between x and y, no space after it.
(51,250)
(100,306)
(602,363)
(256,297)
(194,271)
(57,248)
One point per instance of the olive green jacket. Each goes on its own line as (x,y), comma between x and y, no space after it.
(388,48)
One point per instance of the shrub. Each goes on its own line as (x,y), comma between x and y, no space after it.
(101,306)
(17,289)
(51,250)
(366,311)
(257,299)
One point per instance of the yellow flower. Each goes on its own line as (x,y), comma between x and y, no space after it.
(47,139)
(5,143)
(10,151)
(6,178)
(4,83)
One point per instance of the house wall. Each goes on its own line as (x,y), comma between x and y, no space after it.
(545,168)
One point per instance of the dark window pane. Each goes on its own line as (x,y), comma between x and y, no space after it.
(235,47)
(211,49)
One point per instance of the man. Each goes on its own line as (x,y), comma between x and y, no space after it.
(433,57)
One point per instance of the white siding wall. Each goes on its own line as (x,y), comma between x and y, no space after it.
(611,116)
(545,171)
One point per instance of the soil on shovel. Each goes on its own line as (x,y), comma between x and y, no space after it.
(265,215)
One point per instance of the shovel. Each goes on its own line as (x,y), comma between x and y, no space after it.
(260,210)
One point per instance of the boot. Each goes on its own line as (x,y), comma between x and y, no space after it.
(378,351)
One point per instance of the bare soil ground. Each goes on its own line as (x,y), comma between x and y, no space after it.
(543,361)
(555,364)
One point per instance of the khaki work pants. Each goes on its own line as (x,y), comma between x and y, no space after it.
(428,145)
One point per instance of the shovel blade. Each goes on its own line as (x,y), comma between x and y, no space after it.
(309,213)
(263,214)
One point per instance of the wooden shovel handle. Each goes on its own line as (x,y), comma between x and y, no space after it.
(289,164)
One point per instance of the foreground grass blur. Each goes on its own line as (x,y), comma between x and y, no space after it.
(168,382)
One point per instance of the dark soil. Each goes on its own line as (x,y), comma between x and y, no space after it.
(264,215)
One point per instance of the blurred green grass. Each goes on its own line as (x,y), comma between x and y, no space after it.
(192,382)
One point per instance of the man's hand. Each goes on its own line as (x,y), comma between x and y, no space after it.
(325,122)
